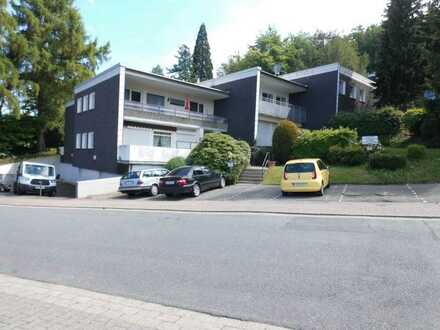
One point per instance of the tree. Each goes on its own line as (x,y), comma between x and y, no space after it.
(58,56)
(202,64)
(157,70)
(345,51)
(431,33)
(368,43)
(400,67)
(283,140)
(183,68)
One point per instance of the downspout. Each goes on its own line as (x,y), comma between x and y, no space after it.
(257,104)
(337,89)
(120,107)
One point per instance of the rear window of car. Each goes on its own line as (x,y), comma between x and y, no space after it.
(181,171)
(300,168)
(132,175)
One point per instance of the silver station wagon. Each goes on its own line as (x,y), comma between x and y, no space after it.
(142,181)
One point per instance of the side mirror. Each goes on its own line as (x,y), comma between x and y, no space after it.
(58,176)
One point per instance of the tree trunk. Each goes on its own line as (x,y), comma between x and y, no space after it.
(42,140)
(40,106)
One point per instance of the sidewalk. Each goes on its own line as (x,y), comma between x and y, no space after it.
(26,304)
(404,210)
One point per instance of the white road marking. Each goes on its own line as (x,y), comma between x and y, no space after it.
(277,196)
(411,189)
(343,192)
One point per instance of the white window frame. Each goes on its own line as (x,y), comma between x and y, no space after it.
(163,133)
(85,103)
(78,141)
(353,92)
(84,141)
(362,95)
(79,105)
(131,95)
(92,101)
(342,87)
(90,140)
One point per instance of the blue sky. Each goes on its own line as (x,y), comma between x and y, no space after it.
(143,33)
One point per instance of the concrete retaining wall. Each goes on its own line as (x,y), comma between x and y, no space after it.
(88,188)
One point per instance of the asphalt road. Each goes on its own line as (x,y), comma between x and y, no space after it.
(299,272)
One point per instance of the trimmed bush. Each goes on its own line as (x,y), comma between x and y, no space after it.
(216,150)
(283,139)
(350,156)
(384,122)
(416,151)
(430,129)
(175,163)
(386,161)
(258,154)
(413,119)
(316,144)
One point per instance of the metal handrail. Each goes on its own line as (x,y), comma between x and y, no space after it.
(264,164)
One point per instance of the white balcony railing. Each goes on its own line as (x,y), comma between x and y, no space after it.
(175,113)
(130,153)
(272,108)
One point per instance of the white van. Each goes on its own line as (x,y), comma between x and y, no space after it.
(35,178)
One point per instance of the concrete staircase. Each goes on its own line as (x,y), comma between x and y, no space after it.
(253,175)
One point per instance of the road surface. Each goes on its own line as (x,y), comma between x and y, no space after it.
(294,271)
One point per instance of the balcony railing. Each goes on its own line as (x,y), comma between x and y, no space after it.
(155,111)
(273,108)
(130,153)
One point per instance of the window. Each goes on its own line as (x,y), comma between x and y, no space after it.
(267,97)
(135,96)
(85,103)
(84,141)
(92,101)
(78,141)
(362,95)
(127,95)
(193,106)
(91,140)
(153,99)
(321,165)
(162,139)
(179,102)
(300,168)
(201,107)
(342,87)
(79,105)
(353,92)
(281,100)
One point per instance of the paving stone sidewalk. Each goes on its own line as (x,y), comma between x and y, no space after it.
(26,304)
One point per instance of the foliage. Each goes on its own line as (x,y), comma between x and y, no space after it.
(157,69)
(430,129)
(400,70)
(297,52)
(283,139)
(413,119)
(416,152)
(384,122)
(53,55)
(386,160)
(258,154)
(175,163)
(426,170)
(183,68)
(316,144)
(216,150)
(350,155)
(431,38)
(202,64)
(368,43)
(18,136)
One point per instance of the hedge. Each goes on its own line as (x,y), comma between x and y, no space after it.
(283,139)
(350,156)
(387,161)
(316,144)
(217,150)
(416,152)
(413,119)
(175,163)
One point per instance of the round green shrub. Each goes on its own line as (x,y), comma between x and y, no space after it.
(416,151)
(175,163)
(351,156)
(382,160)
(217,151)
(413,119)
(316,144)
(283,140)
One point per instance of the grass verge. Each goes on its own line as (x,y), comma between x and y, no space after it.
(422,171)
(7,160)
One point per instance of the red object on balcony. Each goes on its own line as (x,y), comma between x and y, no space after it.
(187,103)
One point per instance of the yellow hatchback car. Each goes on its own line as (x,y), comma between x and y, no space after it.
(305,175)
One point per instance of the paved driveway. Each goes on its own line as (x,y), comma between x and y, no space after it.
(414,193)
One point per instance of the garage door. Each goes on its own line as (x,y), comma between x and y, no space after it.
(264,134)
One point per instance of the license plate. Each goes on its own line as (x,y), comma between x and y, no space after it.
(299,184)
(169,182)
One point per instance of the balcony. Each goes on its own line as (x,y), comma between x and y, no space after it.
(130,153)
(271,108)
(145,111)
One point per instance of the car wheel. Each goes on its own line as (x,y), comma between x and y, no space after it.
(17,190)
(222,183)
(196,190)
(154,190)
(285,193)
(322,192)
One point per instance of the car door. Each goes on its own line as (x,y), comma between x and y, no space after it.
(324,172)
(201,177)
(212,177)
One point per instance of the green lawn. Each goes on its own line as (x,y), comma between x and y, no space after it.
(423,171)
(50,152)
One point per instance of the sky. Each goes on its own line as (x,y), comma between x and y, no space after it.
(143,33)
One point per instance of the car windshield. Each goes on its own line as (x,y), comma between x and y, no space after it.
(300,168)
(40,170)
(181,171)
(132,175)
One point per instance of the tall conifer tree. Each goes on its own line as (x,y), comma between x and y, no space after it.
(183,68)
(202,64)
